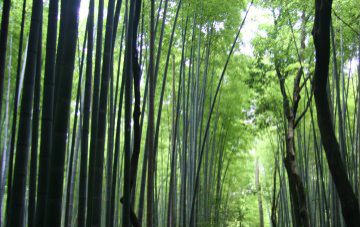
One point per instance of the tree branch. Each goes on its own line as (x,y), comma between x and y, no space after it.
(305,110)
(347,24)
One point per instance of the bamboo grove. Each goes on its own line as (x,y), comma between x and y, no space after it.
(179,113)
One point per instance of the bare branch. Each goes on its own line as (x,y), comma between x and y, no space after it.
(305,81)
(305,110)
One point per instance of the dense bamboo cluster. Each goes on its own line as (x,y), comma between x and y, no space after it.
(323,189)
(148,113)
(88,164)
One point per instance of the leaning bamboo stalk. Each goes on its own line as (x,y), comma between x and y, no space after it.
(321,34)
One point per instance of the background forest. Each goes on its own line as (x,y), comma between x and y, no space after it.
(179,113)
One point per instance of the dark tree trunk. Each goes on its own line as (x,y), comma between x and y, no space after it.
(17,200)
(60,46)
(110,159)
(116,157)
(69,186)
(321,35)
(128,78)
(136,70)
(47,113)
(35,137)
(160,45)
(101,133)
(86,120)
(296,186)
(61,117)
(95,112)
(117,133)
